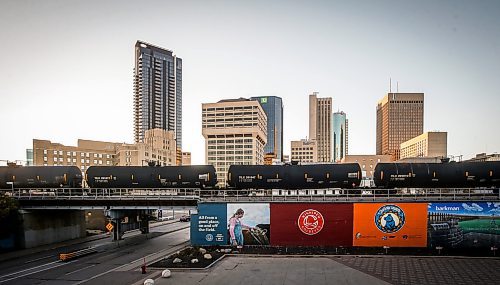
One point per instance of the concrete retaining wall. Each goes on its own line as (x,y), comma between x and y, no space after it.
(50,226)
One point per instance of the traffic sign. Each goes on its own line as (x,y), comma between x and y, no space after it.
(109,226)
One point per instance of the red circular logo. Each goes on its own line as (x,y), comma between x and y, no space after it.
(310,222)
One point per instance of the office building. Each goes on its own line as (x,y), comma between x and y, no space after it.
(366,162)
(157,92)
(480,157)
(304,151)
(158,149)
(320,125)
(400,117)
(340,136)
(235,132)
(428,144)
(273,107)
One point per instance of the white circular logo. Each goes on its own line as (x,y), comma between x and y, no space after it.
(209,237)
(310,222)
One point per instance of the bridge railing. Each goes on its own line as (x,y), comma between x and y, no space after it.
(102,194)
(409,194)
(371,194)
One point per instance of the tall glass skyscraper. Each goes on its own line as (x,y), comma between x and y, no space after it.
(157,91)
(273,107)
(339,136)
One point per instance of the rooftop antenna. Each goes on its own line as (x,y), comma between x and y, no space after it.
(390,85)
(397,86)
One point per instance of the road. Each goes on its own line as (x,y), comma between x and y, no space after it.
(114,263)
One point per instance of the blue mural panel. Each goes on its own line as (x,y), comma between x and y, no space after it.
(464,224)
(209,227)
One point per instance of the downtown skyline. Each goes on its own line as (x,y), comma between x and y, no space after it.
(68,71)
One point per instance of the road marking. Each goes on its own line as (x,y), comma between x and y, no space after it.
(30,273)
(31,268)
(92,265)
(33,260)
(172,249)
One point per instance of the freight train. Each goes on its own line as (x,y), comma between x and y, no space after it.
(394,176)
(438,175)
(196,176)
(40,177)
(314,176)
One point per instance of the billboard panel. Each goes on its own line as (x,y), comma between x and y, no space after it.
(209,227)
(248,223)
(311,224)
(391,224)
(464,225)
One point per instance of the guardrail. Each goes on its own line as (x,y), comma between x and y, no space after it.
(102,194)
(371,194)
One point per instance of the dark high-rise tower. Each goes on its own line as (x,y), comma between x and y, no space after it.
(273,107)
(157,91)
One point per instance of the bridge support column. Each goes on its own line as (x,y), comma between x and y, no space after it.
(128,220)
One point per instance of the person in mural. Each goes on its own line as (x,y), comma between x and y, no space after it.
(236,228)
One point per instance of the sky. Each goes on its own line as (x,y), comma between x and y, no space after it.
(66,67)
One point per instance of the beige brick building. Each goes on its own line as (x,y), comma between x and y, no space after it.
(235,132)
(367,162)
(428,144)
(304,151)
(400,117)
(320,126)
(159,148)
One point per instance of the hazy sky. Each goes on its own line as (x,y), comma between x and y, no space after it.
(66,67)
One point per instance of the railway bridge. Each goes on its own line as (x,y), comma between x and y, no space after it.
(57,214)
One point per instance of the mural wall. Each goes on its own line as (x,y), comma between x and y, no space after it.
(392,224)
(311,224)
(450,225)
(464,225)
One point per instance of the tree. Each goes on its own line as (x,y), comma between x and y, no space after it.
(8,215)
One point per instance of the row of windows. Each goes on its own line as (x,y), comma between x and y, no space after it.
(230,108)
(222,152)
(82,154)
(213,158)
(238,141)
(230,136)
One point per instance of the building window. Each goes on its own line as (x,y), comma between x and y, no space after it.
(44,151)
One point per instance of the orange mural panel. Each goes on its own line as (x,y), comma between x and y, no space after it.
(390,224)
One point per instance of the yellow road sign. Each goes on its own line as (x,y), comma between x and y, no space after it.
(109,226)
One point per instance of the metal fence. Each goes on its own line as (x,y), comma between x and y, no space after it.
(306,195)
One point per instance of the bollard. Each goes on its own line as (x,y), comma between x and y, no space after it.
(143,267)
